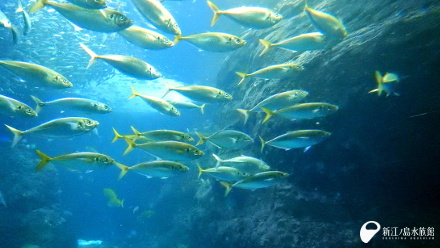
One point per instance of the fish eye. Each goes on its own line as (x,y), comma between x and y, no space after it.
(19,107)
(28,111)
(121,17)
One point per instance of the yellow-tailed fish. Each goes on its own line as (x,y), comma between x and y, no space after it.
(112,198)
(296,139)
(57,128)
(326,23)
(201,93)
(279,71)
(90,4)
(277,101)
(161,168)
(253,17)
(36,73)
(213,41)
(79,161)
(300,43)
(223,173)
(386,83)
(308,110)
(128,65)
(72,103)
(157,14)
(168,150)
(157,103)
(243,163)
(257,181)
(27,20)
(187,105)
(133,137)
(10,106)
(145,38)
(230,139)
(103,20)
(164,135)
(4,21)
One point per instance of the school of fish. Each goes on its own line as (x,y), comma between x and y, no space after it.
(172,148)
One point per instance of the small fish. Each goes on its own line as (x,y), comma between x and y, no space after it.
(112,198)
(277,101)
(245,164)
(157,14)
(308,110)
(230,139)
(213,41)
(128,65)
(300,43)
(201,93)
(100,20)
(326,23)
(90,4)
(162,169)
(157,103)
(10,106)
(223,173)
(386,83)
(169,150)
(36,73)
(4,21)
(187,105)
(26,18)
(80,104)
(2,200)
(145,38)
(164,135)
(279,71)
(252,17)
(257,181)
(57,128)
(296,139)
(78,161)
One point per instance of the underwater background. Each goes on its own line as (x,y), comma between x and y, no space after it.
(380,163)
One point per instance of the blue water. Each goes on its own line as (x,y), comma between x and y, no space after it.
(79,209)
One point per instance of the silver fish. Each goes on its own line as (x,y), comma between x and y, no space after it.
(326,23)
(157,103)
(296,139)
(308,110)
(300,43)
(224,173)
(201,93)
(146,38)
(257,181)
(90,4)
(10,106)
(26,18)
(162,169)
(213,41)
(57,128)
(246,164)
(230,139)
(157,14)
(36,73)
(80,104)
(128,65)
(4,21)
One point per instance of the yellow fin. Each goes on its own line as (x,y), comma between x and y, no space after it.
(17,135)
(117,135)
(202,138)
(134,93)
(37,6)
(131,145)
(39,103)
(269,114)
(263,143)
(93,56)
(228,187)
(200,170)
(202,108)
(245,113)
(135,131)
(242,75)
(266,44)
(216,11)
(124,170)
(44,160)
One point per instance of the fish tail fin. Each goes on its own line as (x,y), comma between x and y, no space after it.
(93,55)
(117,135)
(269,114)
(263,143)
(135,131)
(202,138)
(378,77)
(242,75)
(44,160)
(169,88)
(135,93)
(216,11)
(17,135)
(131,146)
(227,186)
(202,108)
(200,170)
(245,113)
(14,35)
(266,44)
(20,7)
(218,159)
(39,4)
(39,103)
(124,169)
(177,38)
